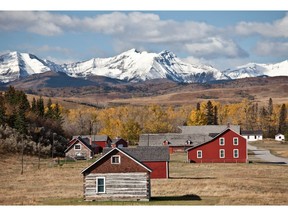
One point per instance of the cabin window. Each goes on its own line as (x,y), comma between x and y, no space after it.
(77,147)
(235,153)
(222,153)
(100,185)
(222,141)
(235,141)
(199,154)
(115,159)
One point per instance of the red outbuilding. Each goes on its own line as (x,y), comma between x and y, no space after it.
(226,147)
(155,157)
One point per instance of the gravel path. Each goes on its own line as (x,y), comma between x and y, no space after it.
(265,155)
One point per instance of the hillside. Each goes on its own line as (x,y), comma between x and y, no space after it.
(103,91)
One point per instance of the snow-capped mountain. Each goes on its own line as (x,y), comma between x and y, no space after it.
(131,66)
(138,66)
(256,70)
(14,65)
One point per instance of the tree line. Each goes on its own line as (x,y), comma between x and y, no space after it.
(35,127)
(129,122)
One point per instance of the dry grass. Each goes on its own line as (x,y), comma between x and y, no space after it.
(190,184)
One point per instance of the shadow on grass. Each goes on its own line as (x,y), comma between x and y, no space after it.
(199,178)
(177,198)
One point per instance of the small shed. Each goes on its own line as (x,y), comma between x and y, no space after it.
(117,176)
(279,137)
(119,142)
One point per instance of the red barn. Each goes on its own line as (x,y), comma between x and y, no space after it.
(226,147)
(155,157)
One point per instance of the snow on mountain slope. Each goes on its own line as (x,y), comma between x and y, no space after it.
(140,66)
(255,70)
(133,66)
(15,65)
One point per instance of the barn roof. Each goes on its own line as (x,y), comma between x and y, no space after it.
(147,153)
(208,129)
(95,138)
(119,150)
(174,139)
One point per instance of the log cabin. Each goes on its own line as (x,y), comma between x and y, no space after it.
(117,176)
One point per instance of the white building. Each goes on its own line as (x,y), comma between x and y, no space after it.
(279,137)
(252,135)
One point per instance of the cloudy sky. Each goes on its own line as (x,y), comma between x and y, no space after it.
(224,38)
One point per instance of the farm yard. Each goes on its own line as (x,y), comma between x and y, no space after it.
(189,184)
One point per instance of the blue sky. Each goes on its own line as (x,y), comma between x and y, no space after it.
(222,38)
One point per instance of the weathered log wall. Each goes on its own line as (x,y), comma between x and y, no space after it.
(118,186)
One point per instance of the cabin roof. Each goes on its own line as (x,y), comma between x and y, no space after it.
(111,151)
(147,153)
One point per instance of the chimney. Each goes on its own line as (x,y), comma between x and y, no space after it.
(228,125)
(113,145)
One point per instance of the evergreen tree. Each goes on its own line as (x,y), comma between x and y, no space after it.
(215,122)
(34,105)
(2,110)
(20,121)
(50,112)
(209,113)
(282,127)
(40,107)
(198,106)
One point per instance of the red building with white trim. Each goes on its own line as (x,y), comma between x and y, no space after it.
(226,147)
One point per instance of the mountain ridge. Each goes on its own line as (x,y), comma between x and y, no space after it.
(133,66)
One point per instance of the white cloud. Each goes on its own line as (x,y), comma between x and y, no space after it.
(215,47)
(274,48)
(277,28)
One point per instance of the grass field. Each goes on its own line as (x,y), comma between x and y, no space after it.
(190,184)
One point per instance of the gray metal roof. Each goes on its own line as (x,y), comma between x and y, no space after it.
(94,137)
(146,153)
(208,129)
(173,139)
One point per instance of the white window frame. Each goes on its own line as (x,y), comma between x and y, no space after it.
(220,155)
(78,144)
(199,152)
(115,156)
(235,138)
(222,138)
(234,153)
(104,185)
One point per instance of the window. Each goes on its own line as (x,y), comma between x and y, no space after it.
(100,185)
(199,154)
(222,153)
(222,141)
(77,147)
(235,153)
(115,159)
(235,141)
